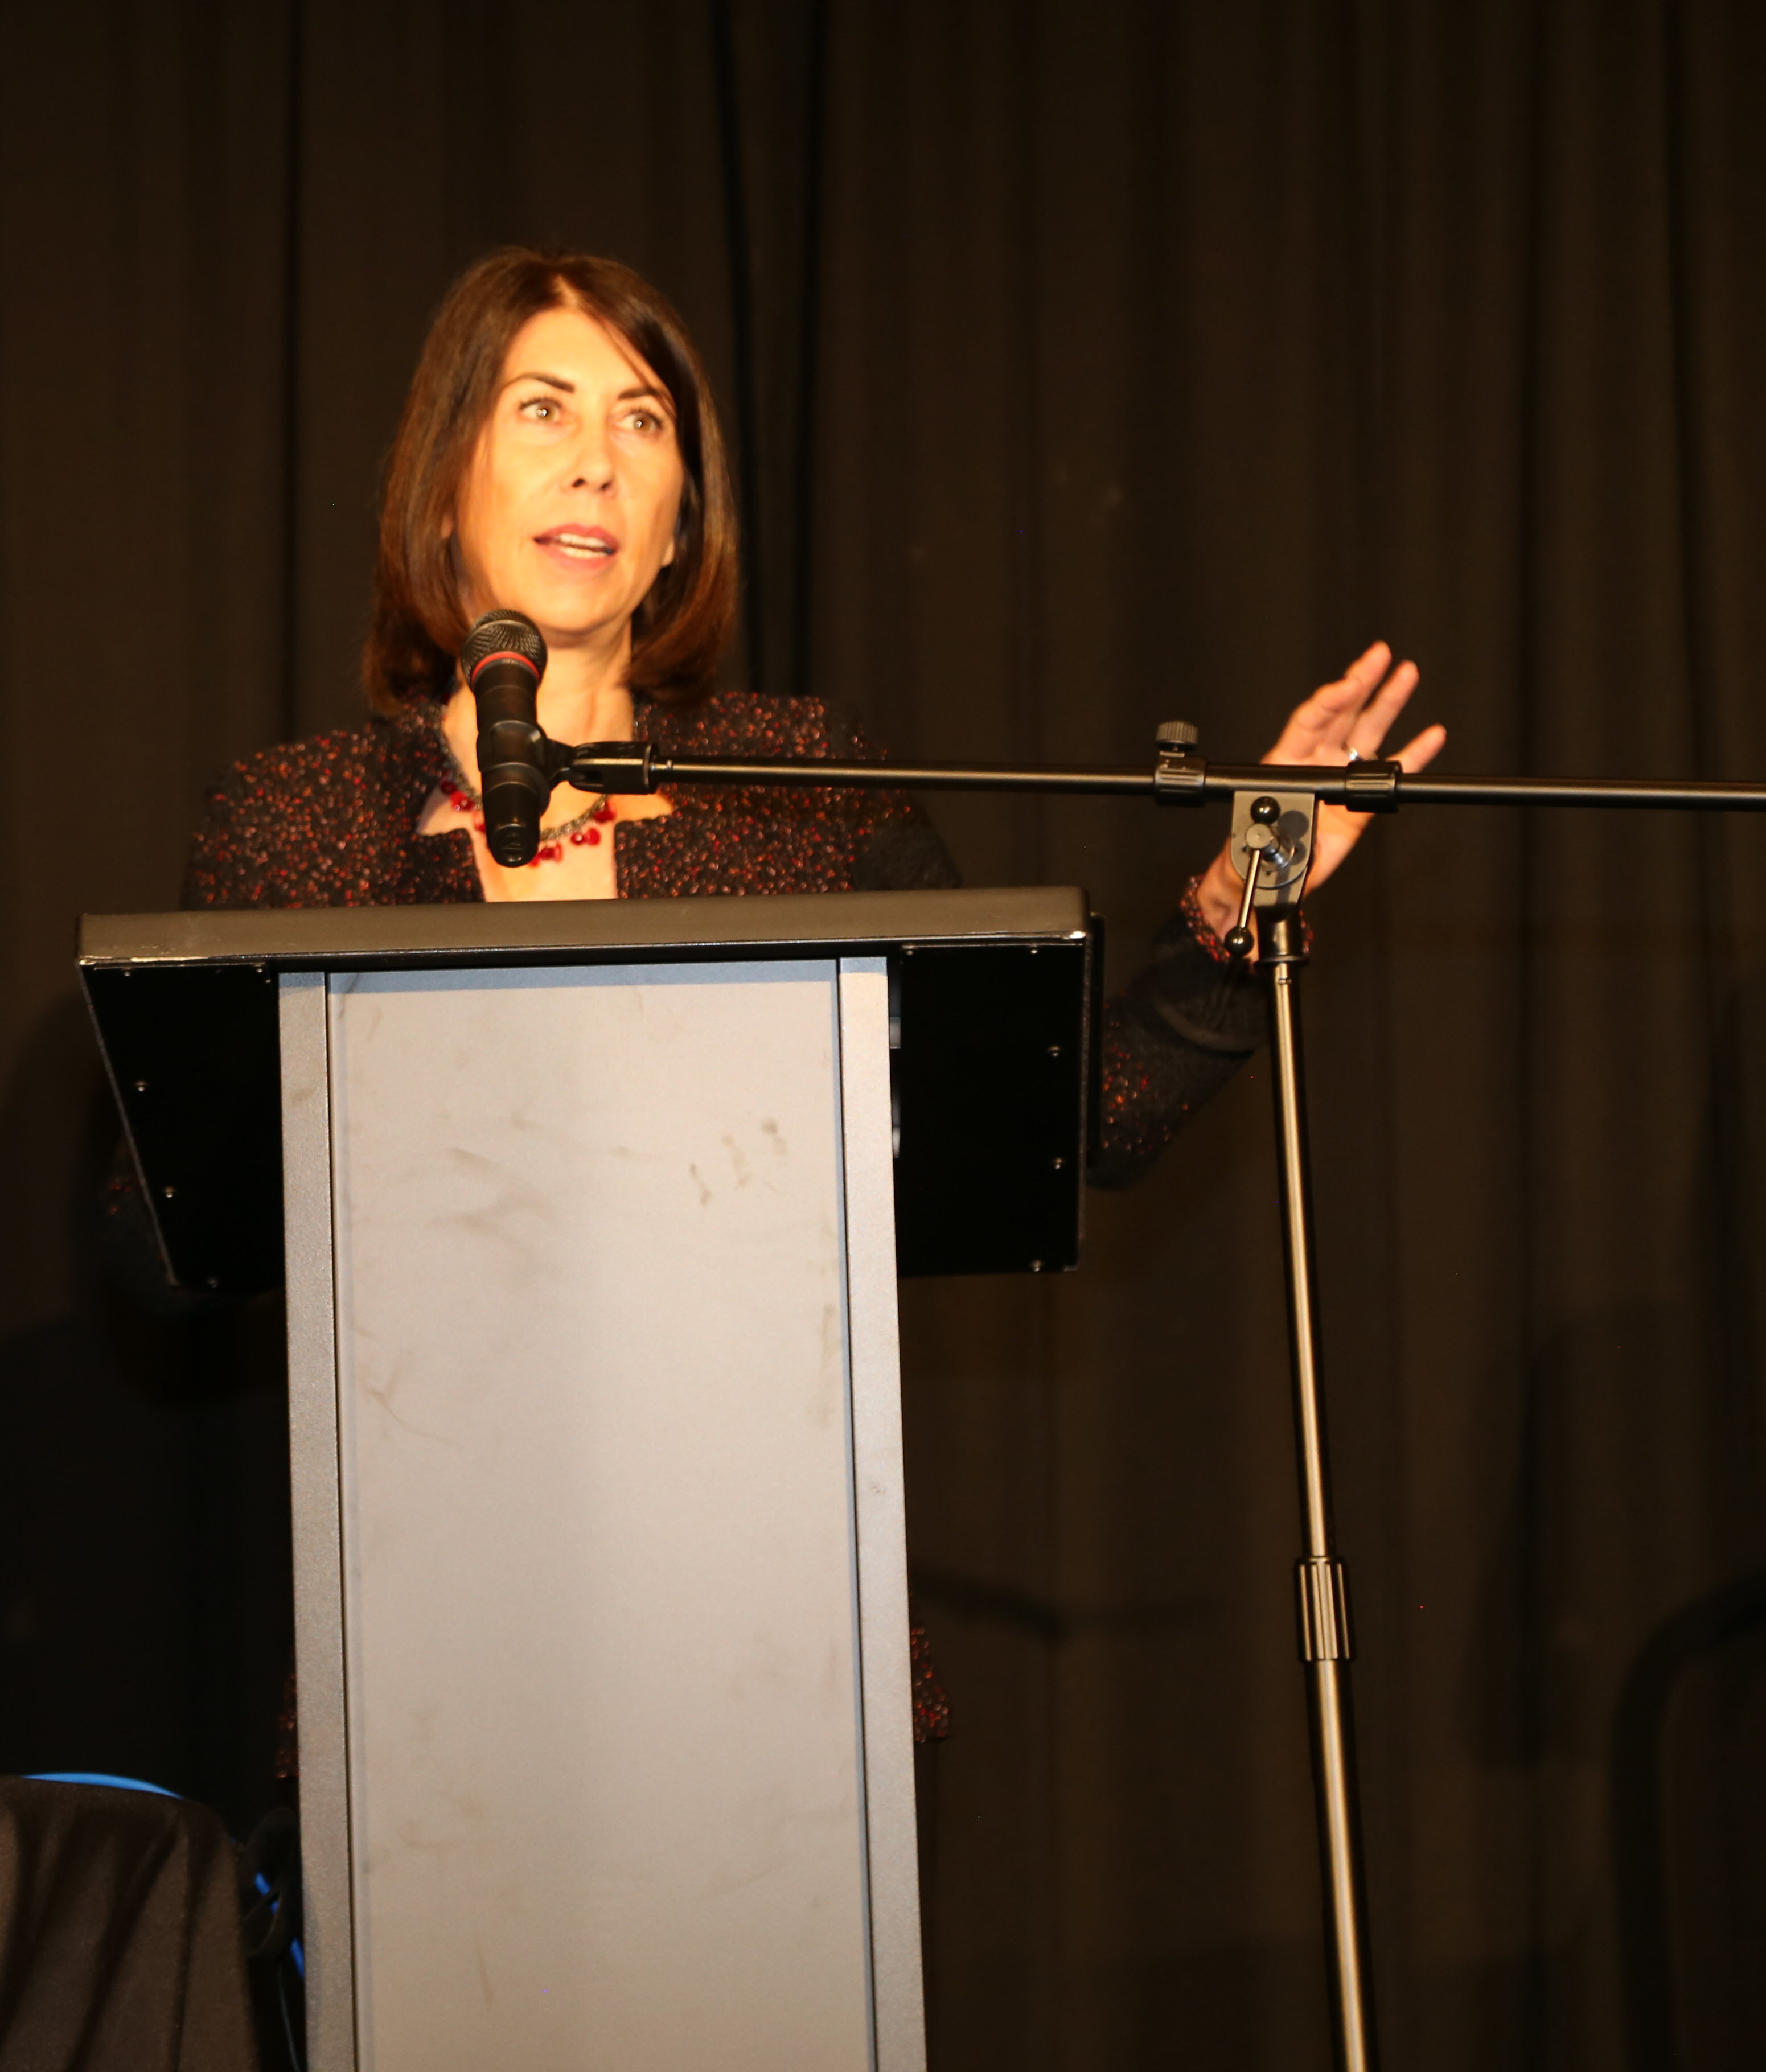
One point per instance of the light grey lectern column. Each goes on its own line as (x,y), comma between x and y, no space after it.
(598,1476)
(588,1218)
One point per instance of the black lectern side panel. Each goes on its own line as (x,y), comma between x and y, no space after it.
(192,1052)
(990,1079)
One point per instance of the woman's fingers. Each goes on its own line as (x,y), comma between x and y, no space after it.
(1419,754)
(1331,703)
(1375,721)
(1353,713)
(1312,728)
(1367,667)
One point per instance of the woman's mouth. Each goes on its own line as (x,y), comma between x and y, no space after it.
(579,543)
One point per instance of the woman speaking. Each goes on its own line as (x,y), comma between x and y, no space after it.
(559,455)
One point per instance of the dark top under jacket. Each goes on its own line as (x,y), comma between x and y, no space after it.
(332,822)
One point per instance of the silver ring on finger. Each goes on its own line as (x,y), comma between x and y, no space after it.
(1355,756)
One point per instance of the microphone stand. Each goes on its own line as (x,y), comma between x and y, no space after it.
(1274,818)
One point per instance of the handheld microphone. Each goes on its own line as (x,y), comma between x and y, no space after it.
(503,661)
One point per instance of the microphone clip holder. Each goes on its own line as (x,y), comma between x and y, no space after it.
(1272,839)
(624,768)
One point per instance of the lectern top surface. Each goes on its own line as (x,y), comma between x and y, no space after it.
(542,930)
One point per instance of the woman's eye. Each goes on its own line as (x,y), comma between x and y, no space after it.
(644,420)
(539,409)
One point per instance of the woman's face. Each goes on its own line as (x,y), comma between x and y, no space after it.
(568,509)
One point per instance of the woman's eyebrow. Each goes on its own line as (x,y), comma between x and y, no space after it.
(635,395)
(551,381)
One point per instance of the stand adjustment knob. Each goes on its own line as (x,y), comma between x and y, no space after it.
(1180,773)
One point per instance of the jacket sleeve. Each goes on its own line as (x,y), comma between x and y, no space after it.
(1172,1039)
(903,853)
(895,847)
(211,871)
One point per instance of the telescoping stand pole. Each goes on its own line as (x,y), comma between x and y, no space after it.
(1323,1586)
(1275,821)
(1272,835)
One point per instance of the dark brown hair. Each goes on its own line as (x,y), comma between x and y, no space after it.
(416,623)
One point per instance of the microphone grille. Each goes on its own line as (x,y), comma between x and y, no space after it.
(503,632)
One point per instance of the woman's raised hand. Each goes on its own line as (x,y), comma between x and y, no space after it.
(1351,714)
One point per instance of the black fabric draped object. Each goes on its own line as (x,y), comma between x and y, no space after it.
(119,1934)
(1090,367)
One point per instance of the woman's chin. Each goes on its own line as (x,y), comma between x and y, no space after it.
(567,614)
(581,629)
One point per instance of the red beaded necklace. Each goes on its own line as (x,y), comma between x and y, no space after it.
(583,832)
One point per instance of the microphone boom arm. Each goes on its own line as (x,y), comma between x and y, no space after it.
(631,768)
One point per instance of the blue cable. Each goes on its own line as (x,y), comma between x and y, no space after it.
(96,1777)
(295,1950)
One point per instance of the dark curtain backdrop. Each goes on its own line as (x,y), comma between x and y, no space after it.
(1089,367)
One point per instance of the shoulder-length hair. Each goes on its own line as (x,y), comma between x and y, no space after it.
(417,624)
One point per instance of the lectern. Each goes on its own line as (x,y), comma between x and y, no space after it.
(589,1217)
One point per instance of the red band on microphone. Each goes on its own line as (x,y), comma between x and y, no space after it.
(503,654)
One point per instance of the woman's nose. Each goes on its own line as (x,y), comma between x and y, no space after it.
(592,462)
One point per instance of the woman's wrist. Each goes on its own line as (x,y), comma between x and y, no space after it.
(1211,905)
(1197,910)
(1218,893)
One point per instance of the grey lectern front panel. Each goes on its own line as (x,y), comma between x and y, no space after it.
(593,1345)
